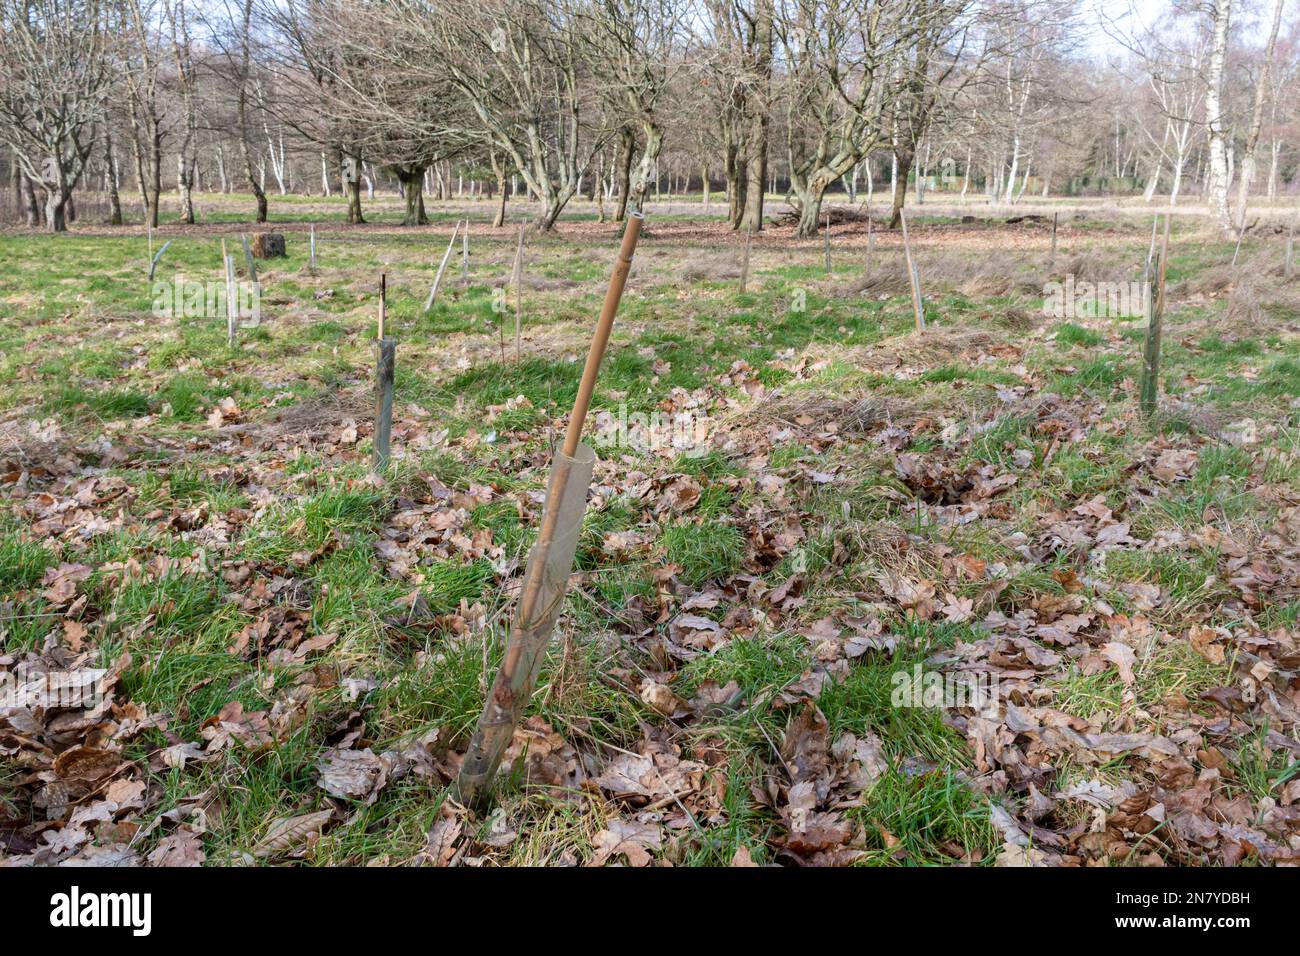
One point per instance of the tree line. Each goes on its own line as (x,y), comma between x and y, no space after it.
(609,100)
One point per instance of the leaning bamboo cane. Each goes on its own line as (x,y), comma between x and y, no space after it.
(549,563)
(442,267)
(517,277)
(918,307)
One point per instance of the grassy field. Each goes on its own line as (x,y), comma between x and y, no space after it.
(296,648)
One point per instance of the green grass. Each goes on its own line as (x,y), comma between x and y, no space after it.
(707,551)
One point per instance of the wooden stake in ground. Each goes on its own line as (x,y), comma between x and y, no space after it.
(384,369)
(828,243)
(312,240)
(918,305)
(1289,266)
(1241,234)
(549,564)
(249,264)
(517,277)
(464,255)
(232,296)
(744,265)
(871,242)
(442,267)
(1155,299)
(1051,261)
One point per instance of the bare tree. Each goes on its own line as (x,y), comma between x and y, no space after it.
(638,46)
(54,89)
(840,56)
(1262,88)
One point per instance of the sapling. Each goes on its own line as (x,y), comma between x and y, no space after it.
(918,304)
(464,255)
(549,563)
(1149,391)
(386,350)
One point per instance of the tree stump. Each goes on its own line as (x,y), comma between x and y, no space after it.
(268,245)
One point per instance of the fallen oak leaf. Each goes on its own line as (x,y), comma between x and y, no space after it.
(288,832)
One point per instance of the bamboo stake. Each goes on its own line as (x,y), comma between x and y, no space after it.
(1289,267)
(248,259)
(231,304)
(744,266)
(1155,307)
(518,279)
(532,625)
(384,369)
(442,267)
(871,242)
(464,255)
(828,242)
(1241,234)
(918,306)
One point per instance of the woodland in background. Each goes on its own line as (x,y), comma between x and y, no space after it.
(117,102)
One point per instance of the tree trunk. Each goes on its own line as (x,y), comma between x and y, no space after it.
(56,201)
(499,170)
(809,195)
(647,167)
(626,144)
(757,106)
(114,200)
(736,185)
(412,180)
(1217,184)
(903,164)
(350,170)
(185,185)
(1256,120)
(33,216)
